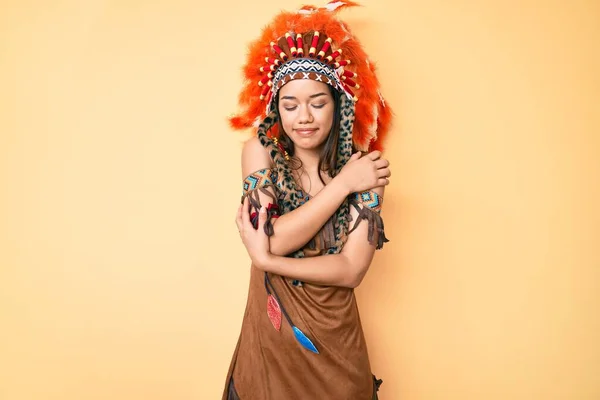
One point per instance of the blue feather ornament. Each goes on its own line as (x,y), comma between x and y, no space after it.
(275,309)
(304,341)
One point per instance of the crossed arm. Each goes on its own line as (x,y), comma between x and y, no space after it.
(294,229)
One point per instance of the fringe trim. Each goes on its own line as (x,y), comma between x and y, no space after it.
(376,231)
(255,205)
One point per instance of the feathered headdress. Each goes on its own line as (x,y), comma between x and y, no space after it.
(313,43)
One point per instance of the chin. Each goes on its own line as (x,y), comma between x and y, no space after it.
(308,142)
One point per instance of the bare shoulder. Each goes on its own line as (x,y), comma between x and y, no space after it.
(254,156)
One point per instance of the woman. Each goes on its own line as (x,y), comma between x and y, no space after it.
(310,180)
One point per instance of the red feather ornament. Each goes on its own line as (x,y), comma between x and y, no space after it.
(274,312)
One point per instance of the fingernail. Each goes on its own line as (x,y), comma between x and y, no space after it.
(263,209)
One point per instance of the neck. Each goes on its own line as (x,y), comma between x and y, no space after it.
(310,160)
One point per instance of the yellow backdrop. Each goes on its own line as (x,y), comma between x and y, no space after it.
(122,275)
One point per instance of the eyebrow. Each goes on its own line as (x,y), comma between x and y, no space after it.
(311,96)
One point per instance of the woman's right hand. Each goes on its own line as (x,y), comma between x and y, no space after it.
(365,172)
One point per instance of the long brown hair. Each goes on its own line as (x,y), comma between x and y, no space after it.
(328,156)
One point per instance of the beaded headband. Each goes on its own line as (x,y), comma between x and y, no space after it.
(304,68)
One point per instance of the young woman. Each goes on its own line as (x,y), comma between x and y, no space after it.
(310,213)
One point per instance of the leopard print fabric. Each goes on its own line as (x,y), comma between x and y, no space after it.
(290,197)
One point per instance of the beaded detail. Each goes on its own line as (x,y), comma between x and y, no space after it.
(369,199)
(260,178)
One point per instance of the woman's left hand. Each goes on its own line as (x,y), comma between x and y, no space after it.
(255,240)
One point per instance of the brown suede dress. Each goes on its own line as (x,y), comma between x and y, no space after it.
(272,365)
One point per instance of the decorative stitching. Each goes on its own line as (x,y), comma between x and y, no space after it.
(369,199)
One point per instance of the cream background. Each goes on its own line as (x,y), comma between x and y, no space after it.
(121,273)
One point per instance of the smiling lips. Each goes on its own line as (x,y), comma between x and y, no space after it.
(306,131)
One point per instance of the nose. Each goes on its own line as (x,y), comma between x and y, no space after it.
(305,116)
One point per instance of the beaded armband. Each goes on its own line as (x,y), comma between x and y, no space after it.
(368,205)
(258,182)
(369,199)
(258,179)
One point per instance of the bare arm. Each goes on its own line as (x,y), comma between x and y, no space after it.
(346,269)
(294,229)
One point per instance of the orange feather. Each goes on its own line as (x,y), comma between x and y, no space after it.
(327,23)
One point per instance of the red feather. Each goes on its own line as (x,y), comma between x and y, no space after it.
(274,312)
